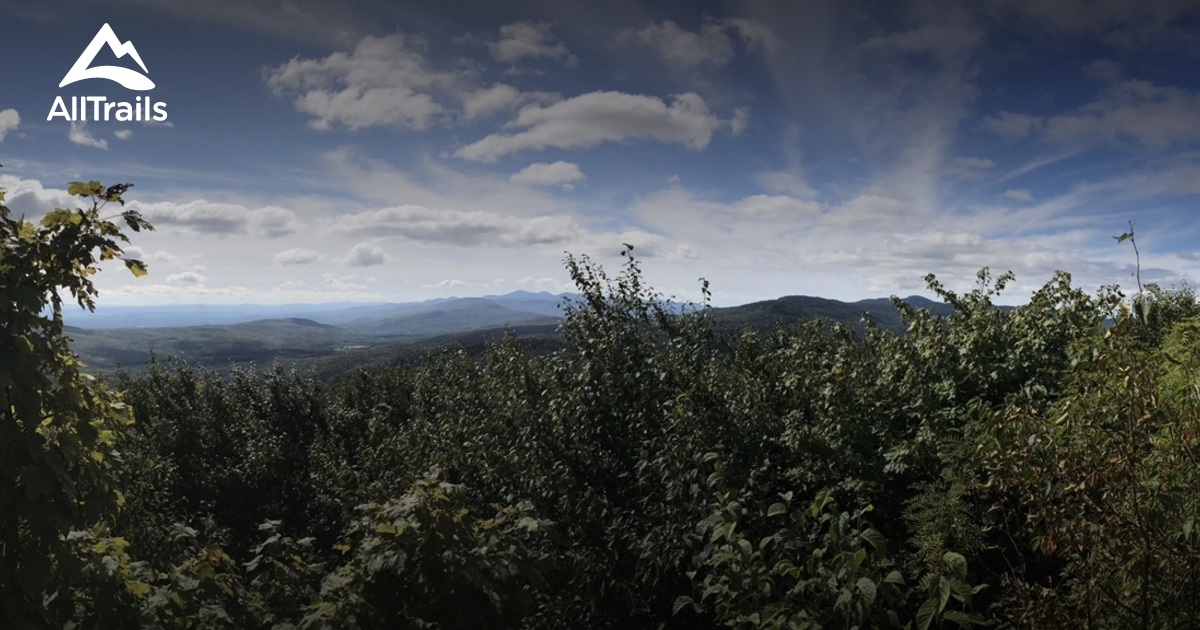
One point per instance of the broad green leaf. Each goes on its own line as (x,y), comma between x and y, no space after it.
(875,539)
(867,587)
(957,564)
(926,613)
(682,602)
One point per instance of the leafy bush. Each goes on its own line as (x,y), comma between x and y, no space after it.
(657,472)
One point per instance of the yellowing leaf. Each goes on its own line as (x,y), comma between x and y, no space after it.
(136,267)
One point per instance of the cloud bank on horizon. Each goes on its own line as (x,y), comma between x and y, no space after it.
(350,151)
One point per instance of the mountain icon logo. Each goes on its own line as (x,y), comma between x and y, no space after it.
(130,79)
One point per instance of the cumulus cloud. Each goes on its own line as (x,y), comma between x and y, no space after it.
(365,255)
(384,81)
(451,283)
(549,174)
(9,120)
(123,134)
(525,40)
(682,48)
(500,97)
(711,45)
(29,197)
(456,227)
(186,277)
(538,282)
(220,218)
(80,135)
(297,256)
(596,117)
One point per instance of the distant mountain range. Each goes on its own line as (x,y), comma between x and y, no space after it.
(339,314)
(339,337)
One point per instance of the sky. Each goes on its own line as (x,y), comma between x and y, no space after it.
(376,151)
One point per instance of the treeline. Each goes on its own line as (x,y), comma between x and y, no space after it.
(1033,467)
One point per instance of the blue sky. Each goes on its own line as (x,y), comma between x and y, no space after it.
(319,152)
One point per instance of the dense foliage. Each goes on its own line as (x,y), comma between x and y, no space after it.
(1027,467)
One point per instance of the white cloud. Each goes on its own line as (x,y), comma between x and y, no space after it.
(500,97)
(740,121)
(365,255)
(342,284)
(1137,112)
(9,120)
(382,82)
(596,117)
(972,163)
(451,283)
(711,45)
(297,256)
(682,48)
(460,228)
(874,210)
(776,206)
(219,218)
(1011,124)
(80,135)
(123,134)
(162,256)
(524,40)
(791,182)
(29,197)
(1129,112)
(538,282)
(549,174)
(1019,194)
(186,277)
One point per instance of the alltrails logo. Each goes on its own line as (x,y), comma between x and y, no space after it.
(140,110)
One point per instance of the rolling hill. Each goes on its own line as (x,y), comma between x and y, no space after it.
(335,338)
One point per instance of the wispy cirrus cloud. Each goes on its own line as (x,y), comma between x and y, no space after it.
(79,134)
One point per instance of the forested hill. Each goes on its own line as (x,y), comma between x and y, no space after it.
(784,311)
(338,338)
